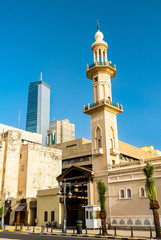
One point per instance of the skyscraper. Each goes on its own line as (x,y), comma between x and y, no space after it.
(38,109)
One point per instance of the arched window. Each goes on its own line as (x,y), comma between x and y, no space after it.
(128,193)
(52,216)
(146,222)
(45,216)
(121,193)
(129,222)
(112,138)
(138,222)
(98,138)
(122,222)
(114,222)
(142,192)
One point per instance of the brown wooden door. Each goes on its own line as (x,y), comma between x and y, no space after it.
(18,218)
(26,218)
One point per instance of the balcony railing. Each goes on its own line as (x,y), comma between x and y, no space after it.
(111,65)
(98,151)
(103,101)
(114,151)
(102,63)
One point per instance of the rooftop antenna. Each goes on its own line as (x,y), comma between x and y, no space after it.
(19,119)
(41,76)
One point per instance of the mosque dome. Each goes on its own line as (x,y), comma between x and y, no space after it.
(99,39)
(99,36)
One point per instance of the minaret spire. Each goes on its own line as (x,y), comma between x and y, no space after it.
(98,26)
(41,76)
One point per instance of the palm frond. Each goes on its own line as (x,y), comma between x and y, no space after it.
(150,182)
(102,188)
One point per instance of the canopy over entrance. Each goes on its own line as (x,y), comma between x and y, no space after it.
(76,175)
(79,178)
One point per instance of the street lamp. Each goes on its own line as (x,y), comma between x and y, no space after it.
(64,185)
(5,194)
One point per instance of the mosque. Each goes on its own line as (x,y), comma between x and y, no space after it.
(118,164)
(34,174)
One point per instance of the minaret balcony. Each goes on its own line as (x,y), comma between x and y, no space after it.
(114,151)
(103,103)
(97,152)
(101,66)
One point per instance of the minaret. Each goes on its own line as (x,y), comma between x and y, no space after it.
(103,112)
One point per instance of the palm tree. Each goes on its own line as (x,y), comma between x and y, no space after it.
(102,188)
(152,195)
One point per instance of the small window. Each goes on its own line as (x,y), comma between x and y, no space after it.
(20,193)
(52,216)
(45,216)
(91,214)
(90,158)
(142,192)
(71,161)
(113,162)
(122,193)
(86,214)
(22,168)
(6,135)
(97,215)
(65,162)
(128,192)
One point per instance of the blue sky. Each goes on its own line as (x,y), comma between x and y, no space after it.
(55,37)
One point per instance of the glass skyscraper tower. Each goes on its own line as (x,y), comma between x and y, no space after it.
(38,109)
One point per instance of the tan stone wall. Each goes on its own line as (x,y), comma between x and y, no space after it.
(22,180)
(2,155)
(48,200)
(75,148)
(44,165)
(136,207)
(10,176)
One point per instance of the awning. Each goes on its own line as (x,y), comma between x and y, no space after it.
(21,207)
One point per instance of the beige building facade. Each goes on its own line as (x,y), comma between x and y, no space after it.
(49,207)
(26,167)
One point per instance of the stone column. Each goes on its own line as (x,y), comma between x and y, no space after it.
(98,56)
(90,193)
(105,56)
(94,57)
(101,56)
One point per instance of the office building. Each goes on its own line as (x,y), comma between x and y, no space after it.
(38,109)
(61,131)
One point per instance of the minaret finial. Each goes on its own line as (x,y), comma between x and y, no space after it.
(98,26)
(41,76)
